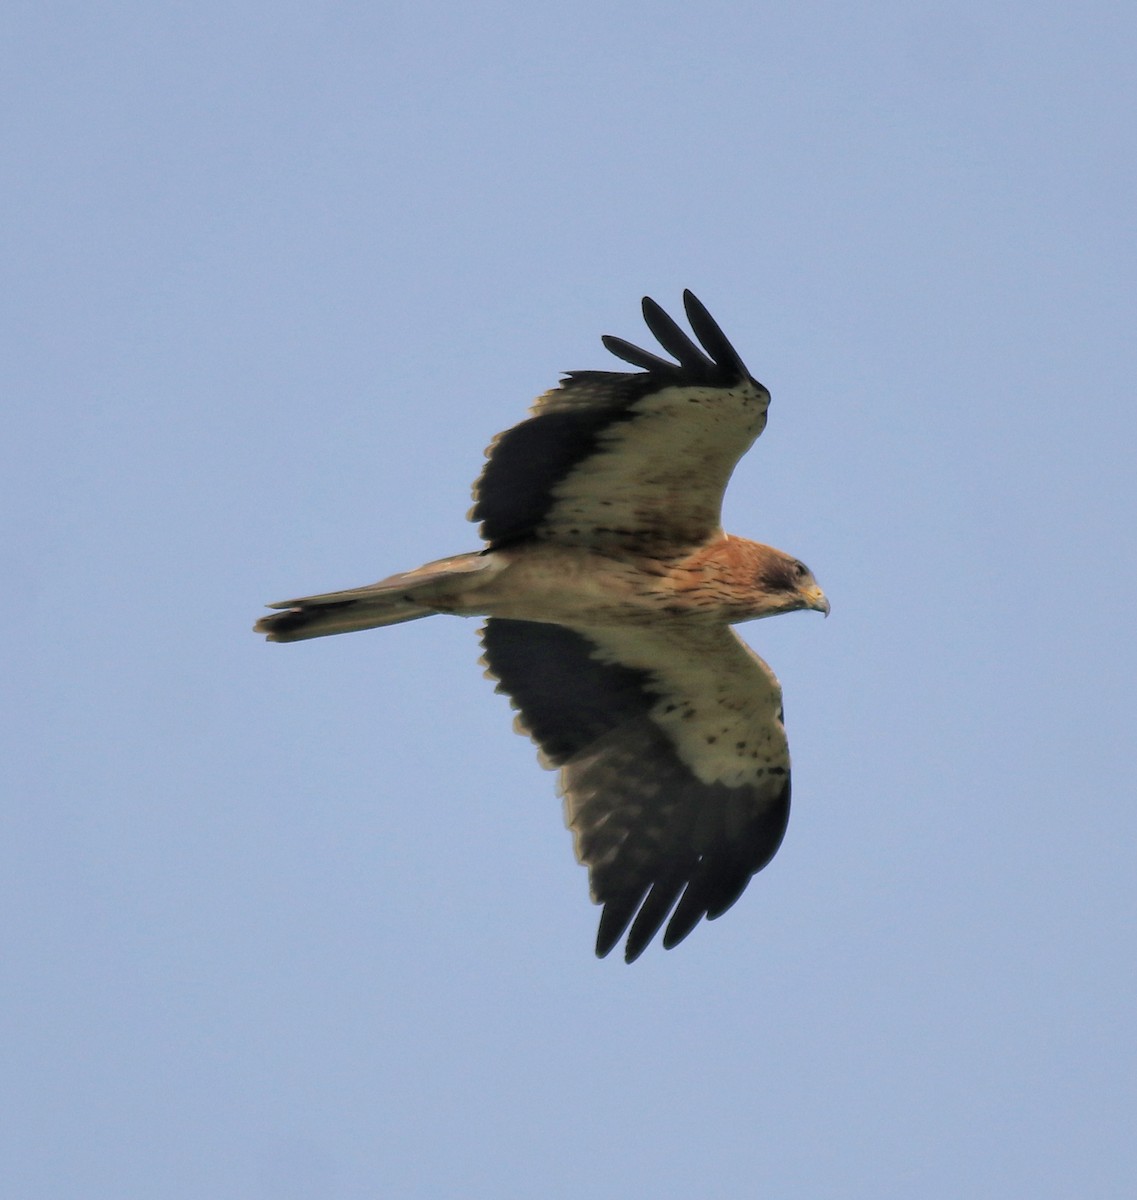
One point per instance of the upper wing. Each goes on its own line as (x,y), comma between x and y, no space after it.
(637,459)
(673,757)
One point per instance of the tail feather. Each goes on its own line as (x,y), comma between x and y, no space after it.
(404,597)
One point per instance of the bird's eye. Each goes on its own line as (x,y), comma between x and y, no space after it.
(800,570)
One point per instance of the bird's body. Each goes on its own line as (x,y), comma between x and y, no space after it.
(610,588)
(567,585)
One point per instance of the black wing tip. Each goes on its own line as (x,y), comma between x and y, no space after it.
(712,361)
(715,884)
(607,938)
(632,951)
(694,307)
(642,916)
(710,334)
(641,935)
(615,918)
(638,357)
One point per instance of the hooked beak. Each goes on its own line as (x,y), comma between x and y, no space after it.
(817,600)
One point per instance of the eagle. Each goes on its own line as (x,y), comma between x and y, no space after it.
(610,590)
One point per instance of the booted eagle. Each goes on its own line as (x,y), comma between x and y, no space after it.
(611,589)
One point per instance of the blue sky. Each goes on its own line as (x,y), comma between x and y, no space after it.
(303,921)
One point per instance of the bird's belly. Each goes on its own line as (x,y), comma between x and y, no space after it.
(570,586)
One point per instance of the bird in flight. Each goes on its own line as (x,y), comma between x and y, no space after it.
(610,589)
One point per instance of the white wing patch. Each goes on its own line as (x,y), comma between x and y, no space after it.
(718,702)
(664,468)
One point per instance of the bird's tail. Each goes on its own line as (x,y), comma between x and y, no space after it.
(404,597)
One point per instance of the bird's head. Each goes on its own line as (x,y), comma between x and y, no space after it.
(786,584)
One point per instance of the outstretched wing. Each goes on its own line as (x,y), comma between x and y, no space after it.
(673,758)
(635,459)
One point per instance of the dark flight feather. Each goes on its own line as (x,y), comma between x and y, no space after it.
(648,830)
